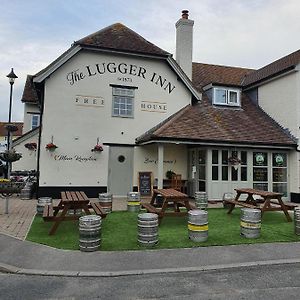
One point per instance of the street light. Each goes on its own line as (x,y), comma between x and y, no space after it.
(11,78)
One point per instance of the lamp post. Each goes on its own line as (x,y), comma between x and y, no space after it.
(11,78)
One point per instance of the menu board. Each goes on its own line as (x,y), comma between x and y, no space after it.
(145,183)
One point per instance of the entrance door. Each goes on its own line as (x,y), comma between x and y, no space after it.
(120,170)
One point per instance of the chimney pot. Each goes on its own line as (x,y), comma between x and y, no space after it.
(185,14)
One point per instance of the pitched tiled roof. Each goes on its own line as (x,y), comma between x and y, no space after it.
(121,38)
(204,74)
(3,131)
(211,124)
(275,68)
(29,93)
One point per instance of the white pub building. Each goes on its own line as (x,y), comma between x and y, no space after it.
(115,104)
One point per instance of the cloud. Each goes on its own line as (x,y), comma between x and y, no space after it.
(240,33)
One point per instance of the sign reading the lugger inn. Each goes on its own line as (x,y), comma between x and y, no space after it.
(120,69)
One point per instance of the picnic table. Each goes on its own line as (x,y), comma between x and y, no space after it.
(270,201)
(171,198)
(70,200)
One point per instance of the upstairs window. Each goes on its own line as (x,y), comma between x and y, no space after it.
(222,96)
(123,102)
(35,121)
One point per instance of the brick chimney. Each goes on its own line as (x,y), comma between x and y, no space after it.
(184,43)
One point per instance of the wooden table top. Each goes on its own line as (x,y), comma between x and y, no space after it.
(70,196)
(170,193)
(258,192)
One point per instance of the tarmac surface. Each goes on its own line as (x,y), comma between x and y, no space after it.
(23,257)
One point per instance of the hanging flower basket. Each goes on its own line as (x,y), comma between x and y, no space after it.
(51,147)
(11,127)
(10,155)
(8,187)
(234,161)
(97,148)
(31,146)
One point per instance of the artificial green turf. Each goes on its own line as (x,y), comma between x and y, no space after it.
(119,231)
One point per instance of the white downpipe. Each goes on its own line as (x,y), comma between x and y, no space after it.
(160,166)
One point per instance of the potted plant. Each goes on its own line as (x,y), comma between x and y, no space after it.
(51,147)
(97,148)
(31,146)
(169,174)
(10,155)
(234,161)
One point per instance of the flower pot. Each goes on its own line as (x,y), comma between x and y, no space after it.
(10,156)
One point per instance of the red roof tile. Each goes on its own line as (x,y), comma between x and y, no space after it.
(121,38)
(204,74)
(207,123)
(29,93)
(275,68)
(3,131)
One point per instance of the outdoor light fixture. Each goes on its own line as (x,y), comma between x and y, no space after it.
(11,78)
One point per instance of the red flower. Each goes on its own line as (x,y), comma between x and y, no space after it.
(31,146)
(97,148)
(51,146)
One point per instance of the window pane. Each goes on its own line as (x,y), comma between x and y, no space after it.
(279,159)
(279,175)
(220,96)
(225,173)
(260,174)
(202,172)
(215,158)
(224,157)
(280,188)
(244,157)
(233,97)
(260,186)
(234,174)
(243,173)
(202,156)
(260,158)
(215,171)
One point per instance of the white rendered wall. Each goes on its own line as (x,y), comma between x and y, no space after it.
(280,98)
(175,159)
(75,128)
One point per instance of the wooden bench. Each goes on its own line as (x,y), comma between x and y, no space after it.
(98,209)
(48,212)
(231,201)
(150,208)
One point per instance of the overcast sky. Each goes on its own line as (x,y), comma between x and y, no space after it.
(244,33)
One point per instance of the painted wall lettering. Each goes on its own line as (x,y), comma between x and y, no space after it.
(81,100)
(153,106)
(78,158)
(99,69)
(148,160)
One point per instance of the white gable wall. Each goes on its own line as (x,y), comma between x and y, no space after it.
(75,128)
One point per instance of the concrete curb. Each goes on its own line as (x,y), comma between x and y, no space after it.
(5,268)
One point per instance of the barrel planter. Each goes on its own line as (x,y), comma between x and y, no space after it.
(297,220)
(105,201)
(133,202)
(25,193)
(89,233)
(42,201)
(201,200)
(198,225)
(250,223)
(147,229)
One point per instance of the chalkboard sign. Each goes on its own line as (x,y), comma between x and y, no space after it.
(145,183)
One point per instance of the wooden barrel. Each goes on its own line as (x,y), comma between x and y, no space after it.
(42,201)
(201,200)
(198,225)
(89,233)
(147,229)
(105,201)
(250,223)
(133,202)
(297,220)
